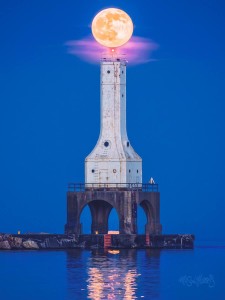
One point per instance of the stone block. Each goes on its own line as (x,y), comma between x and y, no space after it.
(5,245)
(29,244)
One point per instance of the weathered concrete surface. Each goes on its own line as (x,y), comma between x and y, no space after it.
(125,202)
(113,160)
(133,241)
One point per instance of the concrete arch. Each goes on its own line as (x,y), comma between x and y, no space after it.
(100,211)
(149,212)
(98,202)
(101,203)
(148,209)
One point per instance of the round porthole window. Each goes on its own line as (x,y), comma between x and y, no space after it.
(106,144)
(108,71)
(114,170)
(92,170)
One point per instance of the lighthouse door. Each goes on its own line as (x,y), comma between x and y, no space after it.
(103,177)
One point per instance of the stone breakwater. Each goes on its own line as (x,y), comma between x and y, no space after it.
(37,241)
(94,241)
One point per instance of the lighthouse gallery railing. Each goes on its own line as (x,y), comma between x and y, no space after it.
(81,187)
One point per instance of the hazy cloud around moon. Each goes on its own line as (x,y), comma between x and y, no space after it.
(137,51)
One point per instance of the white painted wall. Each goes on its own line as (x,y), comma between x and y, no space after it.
(113,160)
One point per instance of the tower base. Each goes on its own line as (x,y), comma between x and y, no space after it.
(125,202)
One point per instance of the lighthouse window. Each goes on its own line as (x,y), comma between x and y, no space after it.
(106,144)
(108,71)
(137,171)
(114,170)
(122,72)
(92,170)
(122,95)
(128,144)
(129,171)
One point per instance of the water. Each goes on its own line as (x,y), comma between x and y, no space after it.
(129,274)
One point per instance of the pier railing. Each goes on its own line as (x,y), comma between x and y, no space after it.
(82,187)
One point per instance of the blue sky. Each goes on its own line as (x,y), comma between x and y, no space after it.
(49,110)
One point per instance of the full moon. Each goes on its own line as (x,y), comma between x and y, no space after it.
(112,27)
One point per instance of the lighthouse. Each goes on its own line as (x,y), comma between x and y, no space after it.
(113,160)
(113,170)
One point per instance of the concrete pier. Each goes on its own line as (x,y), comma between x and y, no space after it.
(94,241)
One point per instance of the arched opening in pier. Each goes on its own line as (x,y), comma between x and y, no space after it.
(141,220)
(113,221)
(98,217)
(85,220)
(149,215)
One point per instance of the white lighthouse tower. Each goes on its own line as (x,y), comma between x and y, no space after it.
(113,160)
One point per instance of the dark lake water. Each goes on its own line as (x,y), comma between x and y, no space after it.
(129,274)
